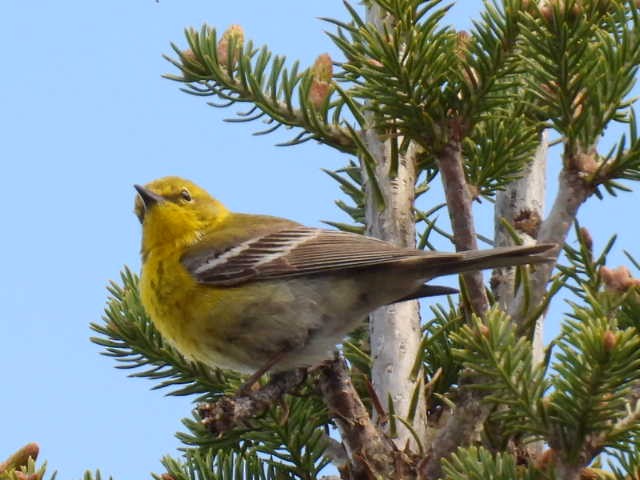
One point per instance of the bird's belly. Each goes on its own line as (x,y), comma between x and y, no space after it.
(245,327)
(302,319)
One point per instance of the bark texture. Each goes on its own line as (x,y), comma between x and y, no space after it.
(461,215)
(370,453)
(573,191)
(460,425)
(521,205)
(394,330)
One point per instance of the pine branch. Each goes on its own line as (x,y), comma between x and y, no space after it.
(567,56)
(436,357)
(290,434)
(129,336)
(241,73)
(497,151)
(626,458)
(400,69)
(479,464)
(223,465)
(491,349)
(621,163)
(467,103)
(489,61)
(21,465)
(596,370)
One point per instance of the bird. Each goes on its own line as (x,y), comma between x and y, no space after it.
(256,293)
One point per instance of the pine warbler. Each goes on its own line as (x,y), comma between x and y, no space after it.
(241,291)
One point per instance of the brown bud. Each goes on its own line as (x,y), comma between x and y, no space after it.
(589,473)
(585,238)
(484,331)
(576,9)
(167,476)
(318,92)
(377,63)
(191,63)
(547,8)
(618,279)
(323,68)
(607,276)
(551,89)
(545,11)
(189,56)
(609,340)
(463,39)
(20,458)
(233,35)
(321,86)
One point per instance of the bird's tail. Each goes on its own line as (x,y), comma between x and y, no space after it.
(435,264)
(471,260)
(504,257)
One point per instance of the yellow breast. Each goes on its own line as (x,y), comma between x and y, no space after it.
(174,301)
(193,318)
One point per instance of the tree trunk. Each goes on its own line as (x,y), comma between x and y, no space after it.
(521,205)
(394,330)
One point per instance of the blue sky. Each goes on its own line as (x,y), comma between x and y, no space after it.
(84,115)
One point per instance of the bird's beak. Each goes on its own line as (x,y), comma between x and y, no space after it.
(149,198)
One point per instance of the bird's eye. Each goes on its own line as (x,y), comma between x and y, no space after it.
(184,193)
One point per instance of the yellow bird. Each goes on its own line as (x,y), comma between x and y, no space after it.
(254,292)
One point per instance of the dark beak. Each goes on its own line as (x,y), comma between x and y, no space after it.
(149,199)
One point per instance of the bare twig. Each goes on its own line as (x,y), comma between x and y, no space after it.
(230,412)
(370,454)
(461,215)
(459,427)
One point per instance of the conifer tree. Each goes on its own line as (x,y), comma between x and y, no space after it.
(469,391)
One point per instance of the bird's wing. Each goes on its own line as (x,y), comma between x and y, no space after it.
(289,252)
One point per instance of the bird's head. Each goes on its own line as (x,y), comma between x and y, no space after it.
(175,211)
